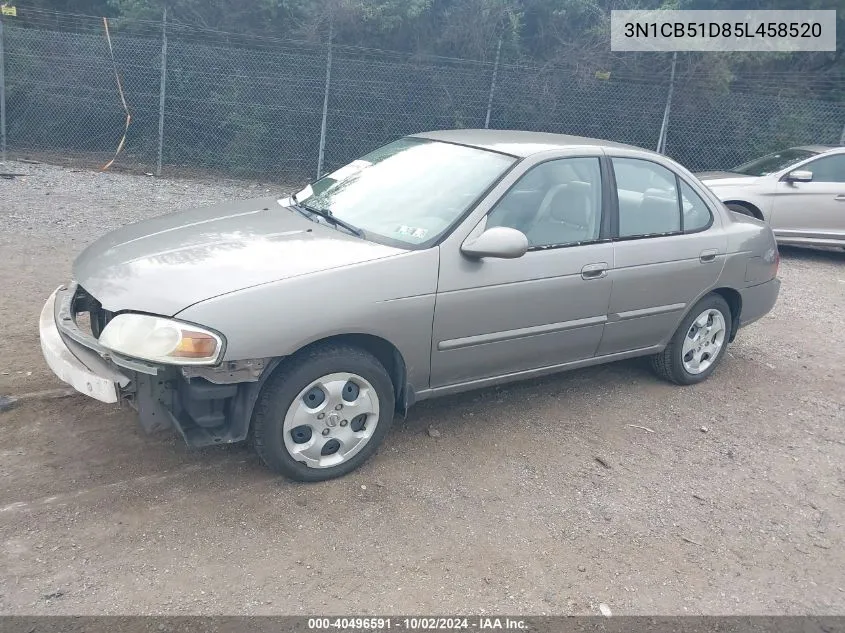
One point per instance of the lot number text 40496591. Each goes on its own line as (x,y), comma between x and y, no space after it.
(416,623)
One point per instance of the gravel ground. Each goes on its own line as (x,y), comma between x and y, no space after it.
(734,504)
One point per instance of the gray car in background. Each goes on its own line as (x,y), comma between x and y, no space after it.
(799,191)
(441,262)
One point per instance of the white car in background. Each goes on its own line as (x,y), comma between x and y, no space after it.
(799,191)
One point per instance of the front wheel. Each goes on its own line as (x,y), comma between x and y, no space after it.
(698,344)
(324,414)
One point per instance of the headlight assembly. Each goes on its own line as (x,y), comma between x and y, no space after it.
(161,340)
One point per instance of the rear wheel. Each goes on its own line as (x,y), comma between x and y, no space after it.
(324,414)
(698,345)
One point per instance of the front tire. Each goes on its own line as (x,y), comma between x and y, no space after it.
(324,413)
(698,344)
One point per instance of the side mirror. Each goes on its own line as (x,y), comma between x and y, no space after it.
(501,241)
(799,175)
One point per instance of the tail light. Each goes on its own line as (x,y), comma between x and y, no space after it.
(772,257)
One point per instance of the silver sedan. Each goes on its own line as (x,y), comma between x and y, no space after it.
(799,191)
(439,263)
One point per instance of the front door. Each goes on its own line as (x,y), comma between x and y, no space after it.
(664,258)
(502,316)
(816,209)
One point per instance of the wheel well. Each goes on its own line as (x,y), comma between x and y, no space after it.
(383,350)
(741,203)
(734,301)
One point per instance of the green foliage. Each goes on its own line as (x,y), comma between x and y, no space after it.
(247,105)
(539,30)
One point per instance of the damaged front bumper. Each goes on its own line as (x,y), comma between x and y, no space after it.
(74,362)
(205,406)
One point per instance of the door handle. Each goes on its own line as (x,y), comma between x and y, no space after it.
(708,255)
(594,271)
(840,198)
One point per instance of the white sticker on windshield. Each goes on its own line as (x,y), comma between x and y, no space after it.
(349,170)
(412,231)
(305,193)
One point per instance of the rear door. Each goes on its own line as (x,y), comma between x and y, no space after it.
(668,248)
(816,209)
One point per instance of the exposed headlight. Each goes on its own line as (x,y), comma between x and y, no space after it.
(161,340)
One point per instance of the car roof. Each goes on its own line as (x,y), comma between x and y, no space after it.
(519,143)
(819,149)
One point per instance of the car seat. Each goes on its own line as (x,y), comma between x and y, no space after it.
(658,212)
(566,215)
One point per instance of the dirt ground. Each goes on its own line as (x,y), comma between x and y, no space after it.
(734,504)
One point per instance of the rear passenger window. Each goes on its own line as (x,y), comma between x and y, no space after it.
(648,198)
(696,213)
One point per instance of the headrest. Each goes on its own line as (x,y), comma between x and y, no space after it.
(571,203)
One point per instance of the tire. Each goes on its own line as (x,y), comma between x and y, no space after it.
(284,400)
(670,364)
(741,209)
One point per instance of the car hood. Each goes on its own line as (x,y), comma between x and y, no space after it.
(165,264)
(723,178)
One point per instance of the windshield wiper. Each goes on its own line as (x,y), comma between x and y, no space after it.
(304,209)
(296,205)
(327,215)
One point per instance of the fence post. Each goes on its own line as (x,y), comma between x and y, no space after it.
(2,96)
(161,90)
(325,105)
(842,138)
(664,127)
(493,84)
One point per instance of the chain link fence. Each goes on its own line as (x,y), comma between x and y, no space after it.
(256,107)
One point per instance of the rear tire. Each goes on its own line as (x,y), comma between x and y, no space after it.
(690,357)
(324,413)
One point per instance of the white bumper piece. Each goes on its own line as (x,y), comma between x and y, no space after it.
(93,378)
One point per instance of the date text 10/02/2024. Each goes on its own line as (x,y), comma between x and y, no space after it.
(416,623)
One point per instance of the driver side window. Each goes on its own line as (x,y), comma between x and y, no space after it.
(556,203)
(828,169)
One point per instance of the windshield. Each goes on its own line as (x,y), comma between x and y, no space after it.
(410,191)
(771,163)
